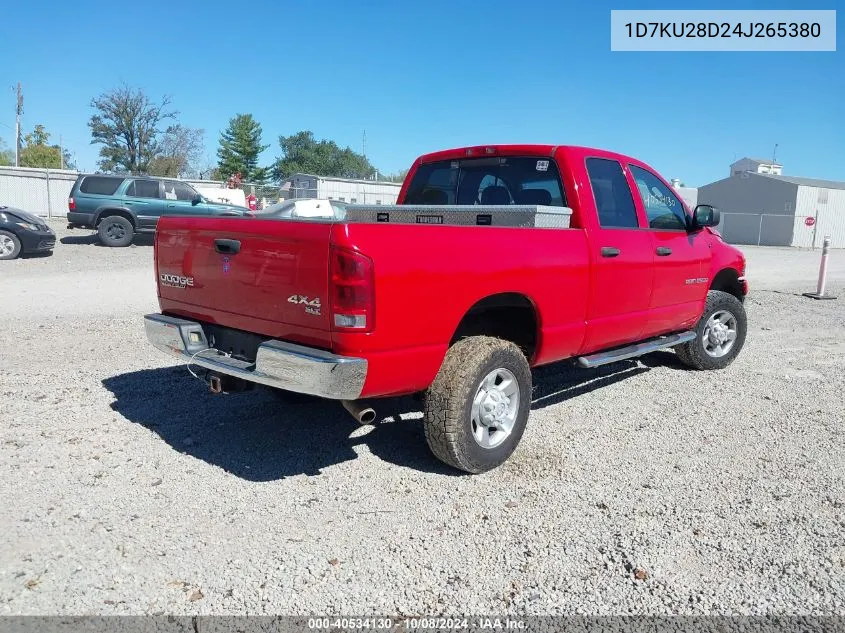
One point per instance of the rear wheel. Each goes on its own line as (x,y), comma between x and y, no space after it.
(10,245)
(115,230)
(720,333)
(476,410)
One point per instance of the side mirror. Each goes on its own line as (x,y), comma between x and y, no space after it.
(705,215)
(196,200)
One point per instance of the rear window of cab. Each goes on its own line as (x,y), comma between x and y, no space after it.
(100,185)
(505,180)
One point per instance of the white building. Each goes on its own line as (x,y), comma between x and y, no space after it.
(757,166)
(776,210)
(688,194)
(350,190)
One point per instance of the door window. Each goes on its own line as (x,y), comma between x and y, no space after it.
(175,190)
(143,189)
(614,201)
(663,208)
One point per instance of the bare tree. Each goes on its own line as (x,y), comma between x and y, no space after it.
(179,153)
(127,125)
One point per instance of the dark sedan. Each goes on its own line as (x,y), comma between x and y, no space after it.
(23,233)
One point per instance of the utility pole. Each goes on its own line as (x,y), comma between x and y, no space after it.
(61,152)
(18,113)
(364,145)
(775,154)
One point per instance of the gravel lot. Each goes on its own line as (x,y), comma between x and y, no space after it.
(640,488)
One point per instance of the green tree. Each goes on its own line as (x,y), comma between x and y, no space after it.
(7,156)
(302,153)
(240,145)
(38,152)
(180,150)
(127,125)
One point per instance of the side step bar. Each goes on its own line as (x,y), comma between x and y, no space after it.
(632,351)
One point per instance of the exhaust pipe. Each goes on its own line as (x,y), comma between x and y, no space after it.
(360,410)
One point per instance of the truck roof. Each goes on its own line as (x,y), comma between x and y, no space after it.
(518,149)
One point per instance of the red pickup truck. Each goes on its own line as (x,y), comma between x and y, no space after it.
(496,259)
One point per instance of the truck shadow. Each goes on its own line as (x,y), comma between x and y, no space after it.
(255,436)
(562,381)
(258,438)
(91,239)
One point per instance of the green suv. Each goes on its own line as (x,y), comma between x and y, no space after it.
(118,207)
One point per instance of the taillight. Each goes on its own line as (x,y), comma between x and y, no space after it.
(71,204)
(352,290)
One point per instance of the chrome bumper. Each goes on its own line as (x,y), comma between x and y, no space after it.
(277,364)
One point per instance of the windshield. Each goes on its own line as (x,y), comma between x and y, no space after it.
(498,181)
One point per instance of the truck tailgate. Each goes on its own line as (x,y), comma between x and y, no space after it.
(243,271)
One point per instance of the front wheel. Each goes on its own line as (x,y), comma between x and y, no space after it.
(476,410)
(719,334)
(10,245)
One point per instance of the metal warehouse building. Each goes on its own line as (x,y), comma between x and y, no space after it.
(344,189)
(759,205)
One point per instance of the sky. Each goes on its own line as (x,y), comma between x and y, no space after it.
(424,75)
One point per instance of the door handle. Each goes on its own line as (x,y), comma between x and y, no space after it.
(609,251)
(227,247)
(662,251)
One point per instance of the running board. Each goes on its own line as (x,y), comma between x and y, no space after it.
(632,351)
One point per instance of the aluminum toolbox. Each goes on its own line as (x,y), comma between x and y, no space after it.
(524,216)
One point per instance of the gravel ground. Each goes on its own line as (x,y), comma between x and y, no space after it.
(640,488)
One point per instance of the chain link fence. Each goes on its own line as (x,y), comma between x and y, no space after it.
(772,229)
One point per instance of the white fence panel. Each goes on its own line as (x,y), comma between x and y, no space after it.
(41,192)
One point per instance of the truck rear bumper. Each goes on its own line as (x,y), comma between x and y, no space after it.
(277,364)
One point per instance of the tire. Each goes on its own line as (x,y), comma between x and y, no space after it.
(451,420)
(115,230)
(10,245)
(704,351)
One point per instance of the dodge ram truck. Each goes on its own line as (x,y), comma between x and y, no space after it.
(495,259)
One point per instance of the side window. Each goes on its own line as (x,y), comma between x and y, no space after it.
(663,207)
(143,189)
(175,190)
(100,185)
(612,194)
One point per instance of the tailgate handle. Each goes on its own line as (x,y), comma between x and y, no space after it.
(227,247)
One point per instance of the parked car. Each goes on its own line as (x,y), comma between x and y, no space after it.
(118,207)
(22,233)
(496,260)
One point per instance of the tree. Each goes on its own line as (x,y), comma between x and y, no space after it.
(37,151)
(240,145)
(7,156)
(127,125)
(301,153)
(397,177)
(180,151)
